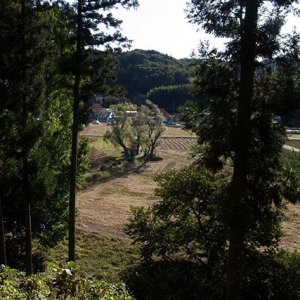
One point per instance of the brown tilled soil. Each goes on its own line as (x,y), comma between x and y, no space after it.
(105,206)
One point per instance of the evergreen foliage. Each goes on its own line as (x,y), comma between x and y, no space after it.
(139,71)
(170,98)
(238,139)
(35,125)
(26,56)
(87,61)
(254,139)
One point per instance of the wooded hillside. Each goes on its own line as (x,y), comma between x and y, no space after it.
(142,70)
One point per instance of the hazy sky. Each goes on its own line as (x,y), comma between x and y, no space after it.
(161,25)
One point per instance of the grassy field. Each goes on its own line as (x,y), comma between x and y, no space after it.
(112,186)
(101,257)
(100,129)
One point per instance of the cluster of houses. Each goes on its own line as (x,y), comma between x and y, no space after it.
(106,114)
(101,114)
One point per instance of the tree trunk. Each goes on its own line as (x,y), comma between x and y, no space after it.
(237,226)
(26,195)
(3,260)
(73,173)
(25,167)
(75,129)
(27,215)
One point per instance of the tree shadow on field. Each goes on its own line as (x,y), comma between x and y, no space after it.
(116,169)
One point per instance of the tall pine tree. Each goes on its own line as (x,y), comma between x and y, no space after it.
(253,27)
(26,54)
(92,65)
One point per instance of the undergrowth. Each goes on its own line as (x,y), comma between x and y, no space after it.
(57,283)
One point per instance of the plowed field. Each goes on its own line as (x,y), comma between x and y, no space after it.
(177,143)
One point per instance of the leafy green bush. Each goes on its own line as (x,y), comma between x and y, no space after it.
(272,275)
(176,280)
(57,283)
(184,230)
(267,275)
(187,221)
(183,239)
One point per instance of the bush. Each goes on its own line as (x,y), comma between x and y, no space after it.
(186,231)
(272,275)
(57,283)
(176,280)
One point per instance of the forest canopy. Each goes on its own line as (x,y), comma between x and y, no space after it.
(139,71)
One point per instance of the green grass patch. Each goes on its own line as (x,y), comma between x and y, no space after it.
(100,257)
(115,166)
(103,145)
(155,158)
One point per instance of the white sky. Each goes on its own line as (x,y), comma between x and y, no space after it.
(161,25)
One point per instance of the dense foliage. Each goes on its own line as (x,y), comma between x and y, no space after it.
(136,130)
(249,100)
(49,68)
(140,71)
(188,221)
(243,88)
(57,283)
(185,234)
(268,275)
(171,97)
(33,117)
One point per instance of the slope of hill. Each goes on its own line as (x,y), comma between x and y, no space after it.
(141,70)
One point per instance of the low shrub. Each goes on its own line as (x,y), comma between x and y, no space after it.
(57,283)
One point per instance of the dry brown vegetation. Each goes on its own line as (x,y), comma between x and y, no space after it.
(105,204)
